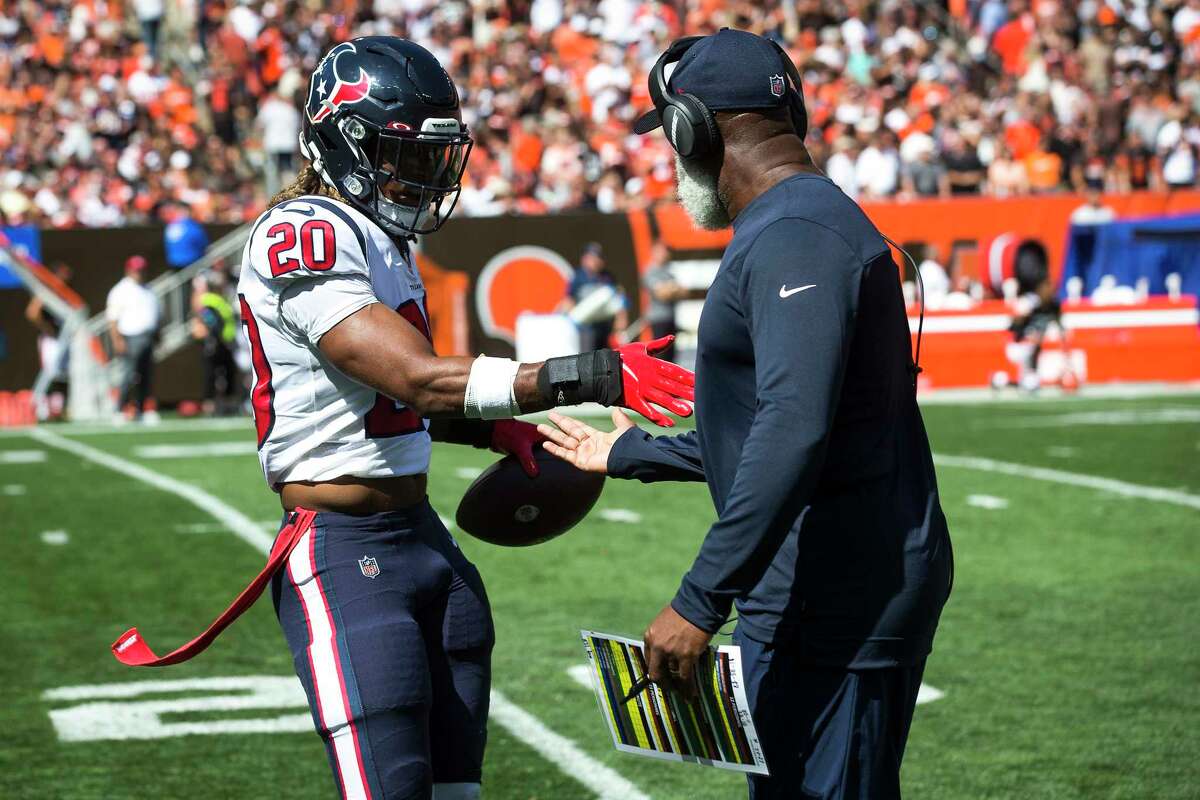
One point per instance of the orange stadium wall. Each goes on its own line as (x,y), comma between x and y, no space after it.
(482,272)
(961,226)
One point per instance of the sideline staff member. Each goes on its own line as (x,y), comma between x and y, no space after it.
(133,315)
(830,536)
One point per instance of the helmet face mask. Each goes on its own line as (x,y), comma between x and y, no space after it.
(416,175)
(383,127)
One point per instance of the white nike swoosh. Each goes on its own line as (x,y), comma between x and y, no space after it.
(786,292)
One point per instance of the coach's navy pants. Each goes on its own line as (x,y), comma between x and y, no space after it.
(391,635)
(827,733)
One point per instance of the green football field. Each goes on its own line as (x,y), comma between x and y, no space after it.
(1067,664)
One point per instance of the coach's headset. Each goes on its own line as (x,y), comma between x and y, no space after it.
(689,125)
(692,131)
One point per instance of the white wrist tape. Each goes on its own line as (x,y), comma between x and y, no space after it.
(490,392)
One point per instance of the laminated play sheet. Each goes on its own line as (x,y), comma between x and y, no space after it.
(714,729)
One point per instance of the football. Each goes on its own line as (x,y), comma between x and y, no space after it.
(505,506)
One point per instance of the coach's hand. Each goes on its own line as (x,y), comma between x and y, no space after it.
(647,380)
(580,444)
(672,647)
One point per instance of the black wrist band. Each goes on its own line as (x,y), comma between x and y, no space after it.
(593,377)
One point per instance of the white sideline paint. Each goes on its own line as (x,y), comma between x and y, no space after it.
(238,523)
(990,502)
(468,473)
(1140,491)
(211,450)
(55,537)
(22,456)
(582,674)
(555,748)
(620,515)
(14,489)
(243,424)
(1168,415)
(607,783)
(1053,395)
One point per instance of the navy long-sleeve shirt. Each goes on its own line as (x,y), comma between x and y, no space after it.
(829,530)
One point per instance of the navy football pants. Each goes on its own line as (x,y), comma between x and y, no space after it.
(391,635)
(827,733)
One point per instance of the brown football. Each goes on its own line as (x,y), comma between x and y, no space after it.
(505,506)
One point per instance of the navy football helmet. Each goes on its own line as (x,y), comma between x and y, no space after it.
(382,125)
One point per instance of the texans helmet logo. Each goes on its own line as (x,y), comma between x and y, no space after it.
(322,100)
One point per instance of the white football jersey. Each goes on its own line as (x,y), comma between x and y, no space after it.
(310,263)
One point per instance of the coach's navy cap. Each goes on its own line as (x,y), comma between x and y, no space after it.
(730,70)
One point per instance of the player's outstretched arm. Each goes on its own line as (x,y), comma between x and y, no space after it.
(379,348)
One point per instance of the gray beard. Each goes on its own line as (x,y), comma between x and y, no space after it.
(697,191)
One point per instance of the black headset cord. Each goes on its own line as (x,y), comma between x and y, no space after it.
(916,365)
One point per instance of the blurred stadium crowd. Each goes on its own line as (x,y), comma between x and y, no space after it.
(117,112)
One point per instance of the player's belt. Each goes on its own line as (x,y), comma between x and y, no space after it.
(131,649)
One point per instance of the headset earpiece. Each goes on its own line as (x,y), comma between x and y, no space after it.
(689,125)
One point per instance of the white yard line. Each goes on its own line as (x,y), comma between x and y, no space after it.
(1156,494)
(606,782)
(13,489)
(555,748)
(238,523)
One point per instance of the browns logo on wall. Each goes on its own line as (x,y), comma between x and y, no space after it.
(516,264)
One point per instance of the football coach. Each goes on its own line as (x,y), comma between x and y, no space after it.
(830,538)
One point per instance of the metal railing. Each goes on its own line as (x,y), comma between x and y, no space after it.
(71,319)
(174,292)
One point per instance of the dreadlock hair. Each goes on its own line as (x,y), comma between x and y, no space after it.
(308,181)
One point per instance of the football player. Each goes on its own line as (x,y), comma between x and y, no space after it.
(388,622)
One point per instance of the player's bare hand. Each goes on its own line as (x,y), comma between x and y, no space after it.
(673,645)
(581,445)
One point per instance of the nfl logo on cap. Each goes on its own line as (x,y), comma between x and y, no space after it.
(369,567)
(777,85)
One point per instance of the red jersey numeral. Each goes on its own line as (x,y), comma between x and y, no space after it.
(387,417)
(318,247)
(262,396)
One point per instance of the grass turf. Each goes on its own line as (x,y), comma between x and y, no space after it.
(1069,652)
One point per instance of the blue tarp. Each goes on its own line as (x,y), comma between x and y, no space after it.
(1130,249)
(23,236)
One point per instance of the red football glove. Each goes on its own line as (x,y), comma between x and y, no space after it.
(520,439)
(651,380)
